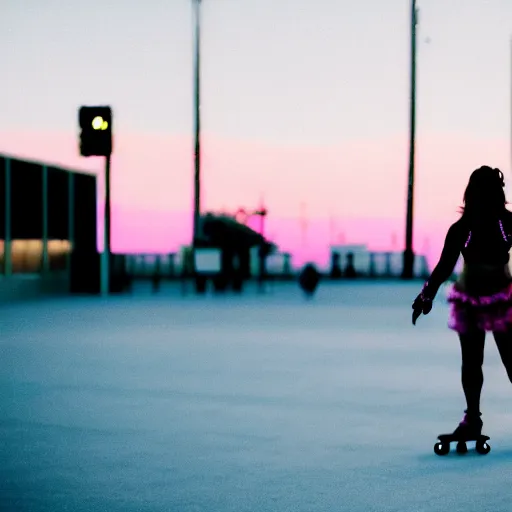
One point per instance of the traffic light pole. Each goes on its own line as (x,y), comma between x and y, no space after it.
(96,140)
(408,261)
(105,256)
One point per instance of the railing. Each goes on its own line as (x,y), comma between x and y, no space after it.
(27,257)
(370,265)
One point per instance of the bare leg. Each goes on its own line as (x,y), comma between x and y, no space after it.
(504,344)
(472,346)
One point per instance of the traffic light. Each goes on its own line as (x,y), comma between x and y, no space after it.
(96,131)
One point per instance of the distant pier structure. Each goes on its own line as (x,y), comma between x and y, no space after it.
(346,262)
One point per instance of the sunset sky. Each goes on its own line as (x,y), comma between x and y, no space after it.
(305,107)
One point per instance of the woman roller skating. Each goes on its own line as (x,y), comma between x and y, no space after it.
(481,298)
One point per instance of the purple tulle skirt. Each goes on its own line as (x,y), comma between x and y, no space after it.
(485,312)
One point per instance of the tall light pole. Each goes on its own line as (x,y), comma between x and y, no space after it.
(197,122)
(408,261)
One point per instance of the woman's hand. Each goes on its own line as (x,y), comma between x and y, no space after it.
(420,305)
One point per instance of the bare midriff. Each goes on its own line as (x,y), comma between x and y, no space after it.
(483,279)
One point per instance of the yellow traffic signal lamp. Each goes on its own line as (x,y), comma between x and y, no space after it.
(98,123)
(96,131)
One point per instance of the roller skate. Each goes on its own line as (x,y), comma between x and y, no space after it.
(469,429)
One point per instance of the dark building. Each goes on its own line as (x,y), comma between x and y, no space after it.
(48,226)
(234,242)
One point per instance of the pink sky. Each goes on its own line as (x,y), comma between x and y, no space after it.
(354,191)
(313,116)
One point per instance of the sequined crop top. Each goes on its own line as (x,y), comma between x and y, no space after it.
(487,245)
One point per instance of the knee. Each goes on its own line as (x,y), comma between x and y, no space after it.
(472,368)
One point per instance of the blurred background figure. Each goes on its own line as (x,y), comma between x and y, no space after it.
(309,279)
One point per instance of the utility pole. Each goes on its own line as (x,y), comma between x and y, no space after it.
(408,261)
(197,123)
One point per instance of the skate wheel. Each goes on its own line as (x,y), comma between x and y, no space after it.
(442,448)
(462,448)
(482,447)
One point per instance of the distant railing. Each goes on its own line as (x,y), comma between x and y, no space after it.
(146,266)
(375,265)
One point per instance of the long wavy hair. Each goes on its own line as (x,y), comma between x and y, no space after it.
(484,196)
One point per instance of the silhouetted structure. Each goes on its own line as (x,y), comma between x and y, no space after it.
(408,262)
(350,270)
(371,269)
(336,272)
(48,228)
(234,241)
(197,123)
